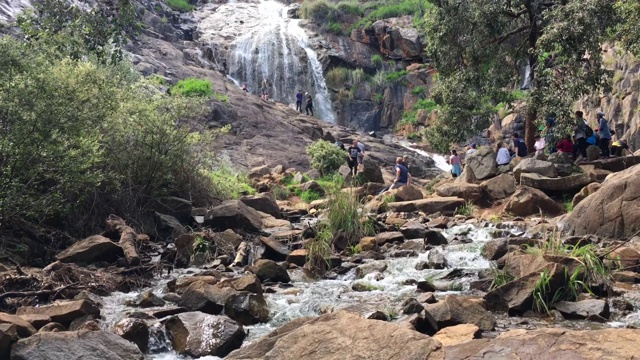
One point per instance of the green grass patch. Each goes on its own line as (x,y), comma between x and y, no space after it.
(334,28)
(568,204)
(377,60)
(380,10)
(418,90)
(229,184)
(396,75)
(350,8)
(466,210)
(180,5)
(308,195)
(221,97)
(193,87)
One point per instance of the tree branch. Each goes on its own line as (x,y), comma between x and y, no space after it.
(506,36)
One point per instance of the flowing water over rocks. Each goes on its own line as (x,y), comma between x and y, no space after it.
(259,44)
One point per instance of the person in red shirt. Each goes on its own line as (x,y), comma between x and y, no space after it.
(565,145)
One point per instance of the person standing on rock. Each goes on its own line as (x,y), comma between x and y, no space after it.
(519,146)
(605,135)
(354,154)
(299,101)
(456,165)
(309,108)
(540,144)
(580,133)
(361,155)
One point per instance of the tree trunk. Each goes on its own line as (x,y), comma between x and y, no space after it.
(530,130)
(117,226)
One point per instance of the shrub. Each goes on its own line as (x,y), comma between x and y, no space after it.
(180,5)
(357,76)
(319,11)
(334,28)
(229,184)
(377,60)
(466,210)
(192,88)
(309,195)
(337,77)
(350,8)
(396,75)
(378,99)
(326,157)
(280,192)
(390,9)
(380,79)
(418,90)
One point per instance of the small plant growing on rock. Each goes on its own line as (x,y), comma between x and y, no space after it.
(377,60)
(193,87)
(500,277)
(466,210)
(180,5)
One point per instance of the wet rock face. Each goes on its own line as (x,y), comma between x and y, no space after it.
(85,345)
(134,330)
(197,334)
(341,335)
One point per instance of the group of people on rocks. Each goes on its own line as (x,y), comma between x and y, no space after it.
(301,98)
(575,145)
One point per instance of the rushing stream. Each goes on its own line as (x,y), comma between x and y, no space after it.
(307,297)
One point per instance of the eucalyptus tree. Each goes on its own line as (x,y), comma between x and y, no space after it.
(490,52)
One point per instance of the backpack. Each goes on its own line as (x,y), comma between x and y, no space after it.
(588,131)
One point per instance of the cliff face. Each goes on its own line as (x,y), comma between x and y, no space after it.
(621,103)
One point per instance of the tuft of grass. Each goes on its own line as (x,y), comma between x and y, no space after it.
(193,87)
(319,250)
(377,60)
(331,183)
(353,250)
(395,76)
(221,97)
(228,184)
(308,195)
(201,245)
(380,79)
(180,5)
(334,28)
(379,11)
(319,11)
(418,90)
(280,192)
(500,276)
(568,204)
(466,210)
(350,8)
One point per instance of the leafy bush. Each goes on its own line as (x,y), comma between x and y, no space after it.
(377,60)
(193,88)
(385,10)
(180,5)
(350,8)
(466,210)
(319,11)
(334,28)
(337,77)
(229,184)
(396,75)
(326,157)
(418,90)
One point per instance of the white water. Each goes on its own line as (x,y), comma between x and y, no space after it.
(441,161)
(260,42)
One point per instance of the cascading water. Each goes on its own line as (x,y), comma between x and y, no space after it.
(262,45)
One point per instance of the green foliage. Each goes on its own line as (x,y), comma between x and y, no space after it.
(229,184)
(628,29)
(499,276)
(353,250)
(201,245)
(350,7)
(223,98)
(280,192)
(64,30)
(377,60)
(331,183)
(419,91)
(378,98)
(466,210)
(81,139)
(193,88)
(326,157)
(568,204)
(180,5)
(395,76)
(479,48)
(430,186)
(414,136)
(307,195)
(385,10)
(337,77)
(334,28)
(380,79)
(319,11)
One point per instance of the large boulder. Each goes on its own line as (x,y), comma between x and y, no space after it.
(233,214)
(8,335)
(611,212)
(593,152)
(274,249)
(407,193)
(469,192)
(528,201)
(206,298)
(268,270)
(63,312)
(75,345)
(414,230)
(134,330)
(499,187)
(91,249)
(454,310)
(247,308)
(550,344)
(371,173)
(389,237)
(592,309)
(483,163)
(533,166)
(445,205)
(586,191)
(458,334)
(23,327)
(196,334)
(565,184)
(263,202)
(341,335)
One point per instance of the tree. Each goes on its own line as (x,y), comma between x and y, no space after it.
(629,27)
(486,50)
(326,157)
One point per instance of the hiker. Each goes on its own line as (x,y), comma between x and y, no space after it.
(456,165)
(403,177)
(540,144)
(605,135)
(263,89)
(299,101)
(503,156)
(618,146)
(244,88)
(309,107)
(581,132)
(224,66)
(472,150)
(565,145)
(519,146)
(361,155)
(354,152)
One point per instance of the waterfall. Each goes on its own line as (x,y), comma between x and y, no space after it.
(259,42)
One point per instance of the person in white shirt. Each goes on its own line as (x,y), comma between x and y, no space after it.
(540,144)
(472,150)
(503,157)
(361,155)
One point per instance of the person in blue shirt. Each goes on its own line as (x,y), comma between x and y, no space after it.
(299,101)
(605,135)
(403,177)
